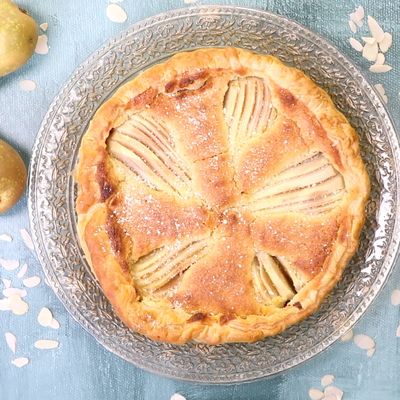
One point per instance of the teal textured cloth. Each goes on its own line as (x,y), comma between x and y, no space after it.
(80,368)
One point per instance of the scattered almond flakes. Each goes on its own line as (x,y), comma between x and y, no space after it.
(11,341)
(333,391)
(375,29)
(379,69)
(45,317)
(54,324)
(27,85)
(315,394)
(380,59)
(6,282)
(177,396)
(353,26)
(17,305)
(20,362)
(116,13)
(355,44)
(26,237)
(327,380)
(369,40)
(44,26)
(364,342)
(41,45)
(386,42)
(22,271)
(347,336)
(370,51)
(6,238)
(381,91)
(14,291)
(45,344)
(371,352)
(395,297)
(31,281)
(9,265)
(5,304)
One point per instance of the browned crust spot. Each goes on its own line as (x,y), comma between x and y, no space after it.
(197,317)
(106,188)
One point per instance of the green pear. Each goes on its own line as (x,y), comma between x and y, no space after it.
(18,37)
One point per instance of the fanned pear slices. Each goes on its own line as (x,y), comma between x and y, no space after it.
(144,146)
(270,280)
(162,265)
(312,186)
(247,109)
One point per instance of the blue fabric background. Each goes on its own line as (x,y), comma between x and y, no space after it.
(82,369)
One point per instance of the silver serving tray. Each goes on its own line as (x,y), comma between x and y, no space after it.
(52,190)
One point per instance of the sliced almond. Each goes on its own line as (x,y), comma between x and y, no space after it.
(369,40)
(6,238)
(27,85)
(20,362)
(375,29)
(22,271)
(364,342)
(45,344)
(6,282)
(116,13)
(11,341)
(26,237)
(177,396)
(380,59)
(5,304)
(54,324)
(327,380)
(17,305)
(315,394)
(359,13)
(355,44)
(370,51)
(371,352)
(380,69)
(42,46)
(44,26)
(386,42)
(45,317)
(31,281)
(9,265)
(334,391)
(347,336)
(395,297)
(353,26)
(14,291)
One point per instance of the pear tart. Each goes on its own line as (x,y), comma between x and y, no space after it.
(220,196)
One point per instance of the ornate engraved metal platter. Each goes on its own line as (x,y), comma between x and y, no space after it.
(52,191)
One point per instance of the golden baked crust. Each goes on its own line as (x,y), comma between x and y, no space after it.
(220,196)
